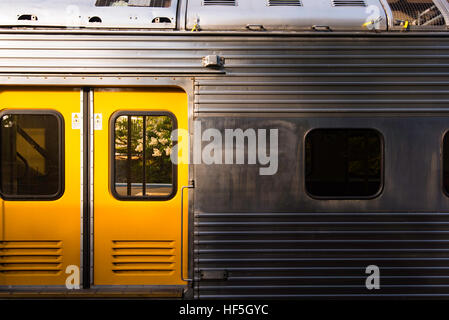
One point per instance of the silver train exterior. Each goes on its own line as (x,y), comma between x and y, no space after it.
(257,236)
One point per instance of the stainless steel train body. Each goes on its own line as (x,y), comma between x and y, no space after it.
(256,236)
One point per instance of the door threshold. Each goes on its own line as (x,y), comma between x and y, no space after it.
(172,292)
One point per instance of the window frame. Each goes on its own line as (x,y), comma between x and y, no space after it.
(382,166)
(61,155)
(112,170)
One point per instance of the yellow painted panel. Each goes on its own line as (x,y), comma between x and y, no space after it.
(136,242)
(39,239)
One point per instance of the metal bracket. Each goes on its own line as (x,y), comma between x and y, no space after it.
(213,61)
(214,275)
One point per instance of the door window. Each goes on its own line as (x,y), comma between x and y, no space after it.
(142,166)
(31,155)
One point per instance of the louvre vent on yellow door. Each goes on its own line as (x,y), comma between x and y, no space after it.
(30,257)
(156,257)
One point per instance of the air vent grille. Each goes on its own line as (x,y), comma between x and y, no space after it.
(417,13)
(293,3)
(219,2)
(349,3)
(30,257)
(150,257)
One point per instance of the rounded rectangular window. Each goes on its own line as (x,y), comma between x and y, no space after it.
(31,155)
(343,163)
(142,156)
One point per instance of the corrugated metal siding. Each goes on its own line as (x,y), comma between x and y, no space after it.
(328,73)
(103,54)
(296,252)
(291,255)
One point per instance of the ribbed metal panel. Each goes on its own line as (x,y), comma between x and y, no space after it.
(283,255)
(330,74)
(263,236)
(104,54)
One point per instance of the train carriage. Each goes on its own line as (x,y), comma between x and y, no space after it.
(116,179)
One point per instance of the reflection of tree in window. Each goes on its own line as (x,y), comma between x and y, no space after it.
(140,171)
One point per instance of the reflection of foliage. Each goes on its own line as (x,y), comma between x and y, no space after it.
(7,121)
(359,149)
(365,155)
(158,147)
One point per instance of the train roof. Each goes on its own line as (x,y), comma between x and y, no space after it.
(228,15)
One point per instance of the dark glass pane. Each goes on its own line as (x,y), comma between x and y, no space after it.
(343,162)
(143,172)
(446,163)
(30,155)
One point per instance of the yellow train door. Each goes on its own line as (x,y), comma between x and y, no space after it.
(39,186)
(137,188)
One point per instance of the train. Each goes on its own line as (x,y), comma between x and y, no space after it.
(224,149)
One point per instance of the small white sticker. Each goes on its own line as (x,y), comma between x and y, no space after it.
(76,121)
(98,121)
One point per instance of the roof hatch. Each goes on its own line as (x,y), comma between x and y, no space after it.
(221,15)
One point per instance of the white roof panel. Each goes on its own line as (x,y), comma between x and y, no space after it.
(89,13)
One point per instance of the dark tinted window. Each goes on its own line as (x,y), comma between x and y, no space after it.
(446,163)
(31,164)
(142,163)
(343,163)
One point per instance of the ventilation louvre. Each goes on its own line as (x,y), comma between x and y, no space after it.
(150,257)
(348,3)
(278,3)
(219,2)
(30,257)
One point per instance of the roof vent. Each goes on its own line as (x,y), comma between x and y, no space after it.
(349,3)
(293,3)
(161,20)
(219,2)
(27,17)
(95,19)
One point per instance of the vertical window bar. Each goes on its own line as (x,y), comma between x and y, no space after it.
(12,175)
(144,141)
(128,161)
